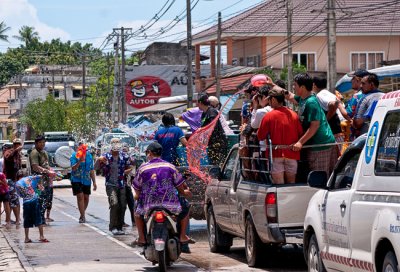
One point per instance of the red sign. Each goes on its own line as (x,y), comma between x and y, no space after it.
(145,91)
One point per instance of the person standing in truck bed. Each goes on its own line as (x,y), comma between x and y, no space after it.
(283,126)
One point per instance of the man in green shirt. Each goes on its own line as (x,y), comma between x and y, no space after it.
(315,126)
(39,160)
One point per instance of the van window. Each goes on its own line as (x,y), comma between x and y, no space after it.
(343,177)
(387,158)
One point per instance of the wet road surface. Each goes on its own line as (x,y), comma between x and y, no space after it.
(91,247)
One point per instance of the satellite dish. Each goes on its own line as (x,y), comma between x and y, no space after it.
(63,155)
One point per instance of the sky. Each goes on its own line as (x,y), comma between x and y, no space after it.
(90,21)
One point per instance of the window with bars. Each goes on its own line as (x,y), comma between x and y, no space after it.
(55,93)
(365,60)
(254,61)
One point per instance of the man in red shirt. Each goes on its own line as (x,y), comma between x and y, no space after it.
(284,128)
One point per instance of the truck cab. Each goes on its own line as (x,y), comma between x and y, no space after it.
(353,222)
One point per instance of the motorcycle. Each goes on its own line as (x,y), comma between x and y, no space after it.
(162,237)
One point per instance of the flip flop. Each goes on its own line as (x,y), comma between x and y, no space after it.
(137,243)
(29,241)
(44,240)
(189,241)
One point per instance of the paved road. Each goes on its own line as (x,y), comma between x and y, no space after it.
(90,246)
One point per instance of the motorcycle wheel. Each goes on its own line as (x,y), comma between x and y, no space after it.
(162,261)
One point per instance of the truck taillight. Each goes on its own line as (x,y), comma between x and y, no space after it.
(159,217)
(270,208)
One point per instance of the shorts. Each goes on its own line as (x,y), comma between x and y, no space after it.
(5,197)
(32,216)
(281,165)
(14,199)
(78,188)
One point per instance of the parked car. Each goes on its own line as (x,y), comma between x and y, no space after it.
(60,146)
(353,222)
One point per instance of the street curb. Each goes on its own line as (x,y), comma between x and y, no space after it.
(21,257)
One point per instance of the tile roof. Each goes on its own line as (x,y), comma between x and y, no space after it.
(229,84)
(353,17)
(5,95)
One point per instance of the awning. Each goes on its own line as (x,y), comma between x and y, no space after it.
(238,105)
(14,86)
(157,108)
(77,87)
(32,69)
(229,84)
(56,87)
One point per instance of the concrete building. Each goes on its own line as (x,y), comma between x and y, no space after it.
(63,82)
(165,53)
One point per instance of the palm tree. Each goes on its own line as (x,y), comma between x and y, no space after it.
(3,29)
(27,34)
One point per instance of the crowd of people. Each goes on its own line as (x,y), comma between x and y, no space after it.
(312,137)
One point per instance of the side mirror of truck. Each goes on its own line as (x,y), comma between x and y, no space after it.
(317,179)
(215,172)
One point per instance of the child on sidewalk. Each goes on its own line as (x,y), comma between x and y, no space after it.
(5,199)
(15,206)
(29,188)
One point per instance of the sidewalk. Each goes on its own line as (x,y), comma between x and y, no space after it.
(8,257)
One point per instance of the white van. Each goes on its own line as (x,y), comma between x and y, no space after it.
(353,223)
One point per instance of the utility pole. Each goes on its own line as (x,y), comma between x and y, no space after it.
(289,13)
(122,111)
(52,80)
(218,93)
(84,79)
(123,81)
(65,86)
(331,46)
(189,54)
(116,76)
(19,92)
(108,85)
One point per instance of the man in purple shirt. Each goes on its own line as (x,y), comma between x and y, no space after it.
(157,184)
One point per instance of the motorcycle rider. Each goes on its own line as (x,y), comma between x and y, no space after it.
(156,184)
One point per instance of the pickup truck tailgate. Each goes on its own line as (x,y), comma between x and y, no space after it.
(289,199)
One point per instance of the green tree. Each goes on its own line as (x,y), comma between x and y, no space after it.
(47,115)
(10,66)
(297,69)
(28,35)
(3,29)
(269,72)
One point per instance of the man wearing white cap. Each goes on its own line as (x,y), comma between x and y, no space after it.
(116,165)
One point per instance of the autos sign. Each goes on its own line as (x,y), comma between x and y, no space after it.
(145,91)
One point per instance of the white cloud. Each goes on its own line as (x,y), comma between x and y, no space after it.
(17,13)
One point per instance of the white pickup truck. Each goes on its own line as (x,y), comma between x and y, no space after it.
(353,223)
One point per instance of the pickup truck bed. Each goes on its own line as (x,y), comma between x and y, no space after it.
(258,211)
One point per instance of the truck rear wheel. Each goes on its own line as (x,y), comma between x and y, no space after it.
(314,261)
(390,263)
(218,240)
(253,244)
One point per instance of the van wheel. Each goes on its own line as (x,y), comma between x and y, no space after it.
(218,240)
(314,258)
(390,263)
(253,244)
